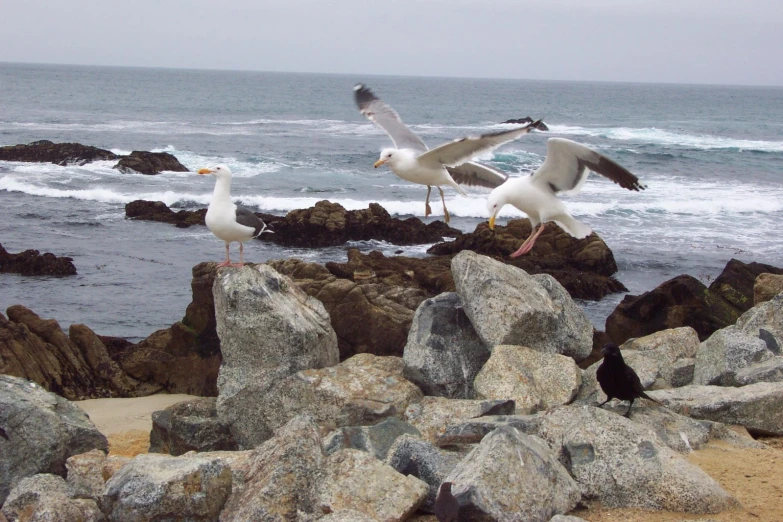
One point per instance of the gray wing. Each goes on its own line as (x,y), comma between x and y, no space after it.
(460,151)
(245,216)
(386,118)
(568,163)
(476,174)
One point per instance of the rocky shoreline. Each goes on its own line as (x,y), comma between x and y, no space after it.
(486,394)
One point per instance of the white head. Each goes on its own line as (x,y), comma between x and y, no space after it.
(387,156)
(219,171)
(495,201)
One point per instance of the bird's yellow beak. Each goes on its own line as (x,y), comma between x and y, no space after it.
(379,163)
(492,222)
(205,171)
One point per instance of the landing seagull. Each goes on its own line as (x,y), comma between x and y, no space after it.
(229,221)
(448,164)
(564,171)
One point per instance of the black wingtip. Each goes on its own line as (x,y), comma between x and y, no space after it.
(539,125)
(363,95)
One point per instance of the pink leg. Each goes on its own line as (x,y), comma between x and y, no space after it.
(527,246)
(427,209)
(227,262)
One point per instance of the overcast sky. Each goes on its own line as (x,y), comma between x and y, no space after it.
(681,41)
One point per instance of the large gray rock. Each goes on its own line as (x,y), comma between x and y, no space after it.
(42,430)
(511,476)
(533,380)
(360,391)
(621,464)
(413,456)
(375,440)
(161,487)
(85,475)
(724,353)
(506,305)
(443,353)
(191,425)
(269,329)
(46,498)
(758,407)
(767,316)
(356,481)
(280,475)
(432,415)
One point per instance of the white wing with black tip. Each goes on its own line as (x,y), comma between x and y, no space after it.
(386,118)
(567,164)
(465,149)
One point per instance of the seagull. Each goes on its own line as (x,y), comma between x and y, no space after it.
(229,221)
(449,164)
(564,171)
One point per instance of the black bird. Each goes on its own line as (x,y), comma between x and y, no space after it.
(446,507)
(618,380)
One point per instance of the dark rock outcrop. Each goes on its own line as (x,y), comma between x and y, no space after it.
(325,224)
(75,366)
(686,301)
(45,151)
(527,119)
(583,266)
(31,262)
(149,163)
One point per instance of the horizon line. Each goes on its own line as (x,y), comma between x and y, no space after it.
(633,82)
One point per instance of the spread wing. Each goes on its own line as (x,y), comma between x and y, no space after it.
(476,174)
(567,164)
(386,118)
(460,151)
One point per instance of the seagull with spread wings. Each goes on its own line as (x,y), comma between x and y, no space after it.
(564,171)
(449,164)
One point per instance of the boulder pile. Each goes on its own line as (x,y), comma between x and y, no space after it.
(486,395)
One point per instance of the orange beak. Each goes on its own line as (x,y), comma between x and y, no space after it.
(379,163)
(205,171)
(492,222)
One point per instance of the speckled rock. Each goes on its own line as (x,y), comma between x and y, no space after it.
(533,380)
(85,474)
(566,518)
(419,458)
(432,415)
(45,498)
(770,370)
(297,335)
(766,287)
(767,316)
(360,391)
(443,353)
(356,481)
(279,476)
(191,425)
(727,351)
(511,476)
(375,440)
(42,431)
(758,407)
(622,464)
(160,487)
(508,306)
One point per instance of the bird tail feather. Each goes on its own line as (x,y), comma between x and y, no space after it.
(645,396)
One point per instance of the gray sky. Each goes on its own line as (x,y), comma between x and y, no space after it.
(681,41)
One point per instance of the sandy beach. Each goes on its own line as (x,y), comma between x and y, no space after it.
(115,416)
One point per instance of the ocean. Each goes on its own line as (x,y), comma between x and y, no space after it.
(711,156)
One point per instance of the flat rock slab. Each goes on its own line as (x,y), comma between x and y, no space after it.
(758,407)
(432,415)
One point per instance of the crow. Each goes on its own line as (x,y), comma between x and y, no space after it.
(446,507)
(618,380)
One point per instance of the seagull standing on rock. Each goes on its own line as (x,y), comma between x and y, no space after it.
(448,164)
(229,221)
(564,171)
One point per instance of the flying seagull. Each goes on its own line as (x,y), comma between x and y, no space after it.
(229,221)
(449,164)
(618,380)
(564,171)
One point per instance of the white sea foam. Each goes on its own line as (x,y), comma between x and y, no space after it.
(657,136)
